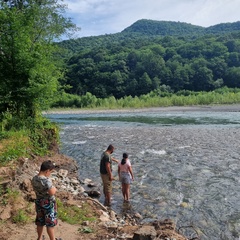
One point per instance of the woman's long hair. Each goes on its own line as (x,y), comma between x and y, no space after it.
(125,156)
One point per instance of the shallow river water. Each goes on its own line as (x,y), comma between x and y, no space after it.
(186,163)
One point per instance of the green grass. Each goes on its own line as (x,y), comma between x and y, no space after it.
(30,137)
(20,217)
(155,98)
(13,197)
(16,144)
(75,214)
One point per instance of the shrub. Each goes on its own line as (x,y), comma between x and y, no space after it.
(74,214)
(20,217)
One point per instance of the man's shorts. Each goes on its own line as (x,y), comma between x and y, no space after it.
(46,210)
(107,184)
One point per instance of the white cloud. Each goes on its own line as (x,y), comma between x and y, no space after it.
(96,17)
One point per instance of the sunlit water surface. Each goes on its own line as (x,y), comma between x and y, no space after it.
(186,164)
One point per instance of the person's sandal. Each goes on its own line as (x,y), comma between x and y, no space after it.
(43,237)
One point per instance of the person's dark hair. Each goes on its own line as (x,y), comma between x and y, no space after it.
(125,156)
(110,147)
(47,165)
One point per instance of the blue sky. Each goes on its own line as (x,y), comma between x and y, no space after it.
(97,17)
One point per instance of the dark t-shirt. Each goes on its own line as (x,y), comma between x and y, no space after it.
(41,185)
(104,159)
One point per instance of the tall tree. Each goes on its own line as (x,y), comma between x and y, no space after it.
(28,71)
(145,84)
(233,77)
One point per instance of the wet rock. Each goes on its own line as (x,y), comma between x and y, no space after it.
(145,233)
(75,181)
(90,185)
(164,224)
(93,193)
(138,215)
(63,173)
(81,189)
(87,181)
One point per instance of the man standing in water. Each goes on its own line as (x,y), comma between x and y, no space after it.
(106,173)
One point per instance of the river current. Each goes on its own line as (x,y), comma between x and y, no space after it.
(185,163)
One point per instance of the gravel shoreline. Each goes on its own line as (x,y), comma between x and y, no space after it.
(211,108)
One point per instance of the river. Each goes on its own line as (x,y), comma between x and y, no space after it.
(185,162)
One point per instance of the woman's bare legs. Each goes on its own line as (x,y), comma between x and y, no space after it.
(127,189)
(123,191)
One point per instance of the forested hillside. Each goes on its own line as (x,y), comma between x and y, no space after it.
(152,54)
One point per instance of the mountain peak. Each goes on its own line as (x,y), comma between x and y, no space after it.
(163,28)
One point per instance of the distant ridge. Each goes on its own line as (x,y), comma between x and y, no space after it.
(164,28)
(170,28)
(224,27)
(150,29)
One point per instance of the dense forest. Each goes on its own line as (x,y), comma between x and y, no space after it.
(151,55)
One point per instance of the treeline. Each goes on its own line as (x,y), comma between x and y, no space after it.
(157,98)
(131,64)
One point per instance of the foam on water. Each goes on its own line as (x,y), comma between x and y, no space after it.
(79,142)
(153,151)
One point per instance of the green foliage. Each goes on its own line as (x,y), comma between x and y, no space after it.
(12,195)
(6,118)
(20,138)
(161,98)
(29,75)
(20,217)
(14,145)
(29,70)
(86,230)
(44,135)
(74,214)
